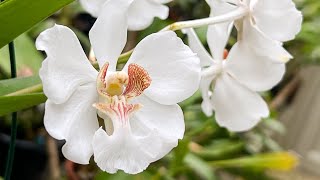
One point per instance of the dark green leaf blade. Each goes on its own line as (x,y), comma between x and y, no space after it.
(18,16)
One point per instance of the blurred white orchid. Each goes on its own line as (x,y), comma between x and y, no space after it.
(138,104)
(264,26)
(229,87)
(140,13)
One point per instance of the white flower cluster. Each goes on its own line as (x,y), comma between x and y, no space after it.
(255,63)
(138,105)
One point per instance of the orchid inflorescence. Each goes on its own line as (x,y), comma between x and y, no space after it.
(138,105)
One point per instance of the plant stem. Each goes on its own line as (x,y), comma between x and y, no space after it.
(14,124)
(231,16)
(122,59)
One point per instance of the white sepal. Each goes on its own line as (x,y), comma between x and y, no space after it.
(66,66)
(108,35)
(237,107)
(258,73)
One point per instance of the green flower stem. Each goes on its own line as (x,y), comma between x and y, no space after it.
(122,59)
(14,124)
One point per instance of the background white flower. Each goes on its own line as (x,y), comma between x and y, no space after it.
(266,25)
(140,14)
(229,86)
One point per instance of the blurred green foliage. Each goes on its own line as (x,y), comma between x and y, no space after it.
(306,46)
(28,57)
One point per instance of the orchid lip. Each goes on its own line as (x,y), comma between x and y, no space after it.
(119,111)
(116,89)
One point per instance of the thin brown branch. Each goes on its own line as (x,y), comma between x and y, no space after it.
(283,95)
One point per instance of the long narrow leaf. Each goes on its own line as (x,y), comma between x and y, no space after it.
(12,85)
(9,104)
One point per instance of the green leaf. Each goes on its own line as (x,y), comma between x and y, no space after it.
(12,85)
(9,104)
(17,16)
(28,58)
(179,154)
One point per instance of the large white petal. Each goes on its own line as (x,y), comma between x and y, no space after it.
(258,73)
(93,6)
(172,66)
(123,151)
(75,121)
(66,66)
(166,119)
(142,12)
(237,108)
(197,47)
(263,45)
(280,20)
(108,35)
(218,34)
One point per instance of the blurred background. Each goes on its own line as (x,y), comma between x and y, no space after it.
(207,151)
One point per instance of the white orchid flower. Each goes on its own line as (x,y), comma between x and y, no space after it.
(264,25)
(230,86)
(140,14)
(138,104)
